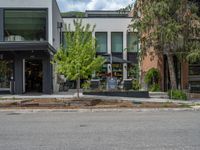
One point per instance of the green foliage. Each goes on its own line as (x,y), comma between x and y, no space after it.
(152,76)
(73,14)
(3,68)
(151,79)
(136,84)
(194,56)
(154,88)
(177,95)
(162,17)
(78,59)
(168,27)
(86,85)
(134,72)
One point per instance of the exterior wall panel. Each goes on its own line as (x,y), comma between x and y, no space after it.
(57,28)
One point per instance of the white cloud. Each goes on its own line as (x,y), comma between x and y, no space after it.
(82,5)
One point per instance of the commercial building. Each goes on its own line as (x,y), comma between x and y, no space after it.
(31,32)
(29,36)
(114,38)
(187,74)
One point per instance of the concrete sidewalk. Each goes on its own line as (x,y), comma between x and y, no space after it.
(72,94)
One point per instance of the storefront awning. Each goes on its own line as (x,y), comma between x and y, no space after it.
(26,46)
(115,60)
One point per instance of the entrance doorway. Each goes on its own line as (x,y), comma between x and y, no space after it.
(33,75)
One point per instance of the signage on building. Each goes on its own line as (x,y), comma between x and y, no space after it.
(112,84)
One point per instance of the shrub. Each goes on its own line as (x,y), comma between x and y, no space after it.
(152,76)
(177,95)
(152,79)
(86,85)
(136,85)
(155,88)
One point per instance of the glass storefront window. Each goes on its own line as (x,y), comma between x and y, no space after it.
(194,77)
(133,71)
(194,70)
(132,42)
(117,70)
(102,73)
(101,39)
(6,72)
(25,25)
(117,41)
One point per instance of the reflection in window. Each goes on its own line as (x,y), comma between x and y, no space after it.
(102,73)
(117,70)
(25,25)
(117,41)
(6,72)
(194,77)
(101,39)
(194,70)
(132,42)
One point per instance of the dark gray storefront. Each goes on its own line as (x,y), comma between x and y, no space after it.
(25,54)
(20,52)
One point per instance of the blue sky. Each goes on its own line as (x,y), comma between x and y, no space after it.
(82,5)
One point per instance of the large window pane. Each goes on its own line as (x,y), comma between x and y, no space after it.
(101,38)
(6,72)
(117,41)
(132,42)
(117,70)
(25,25)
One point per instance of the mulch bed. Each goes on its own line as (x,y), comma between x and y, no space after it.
(84,103)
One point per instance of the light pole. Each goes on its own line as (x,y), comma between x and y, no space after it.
(111,61)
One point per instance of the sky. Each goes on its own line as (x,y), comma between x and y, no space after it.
(82,5)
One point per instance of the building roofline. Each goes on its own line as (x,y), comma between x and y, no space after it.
(104,11)
(97,17)
(57,7)
(102,14)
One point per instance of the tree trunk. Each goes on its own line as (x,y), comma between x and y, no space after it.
(78,87)
(172,73)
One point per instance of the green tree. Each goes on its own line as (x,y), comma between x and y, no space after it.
(166,26)
(77,60)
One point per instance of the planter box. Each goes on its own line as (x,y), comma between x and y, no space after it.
(4,92)
(136,94)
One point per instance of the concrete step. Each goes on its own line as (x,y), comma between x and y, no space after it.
(158,94)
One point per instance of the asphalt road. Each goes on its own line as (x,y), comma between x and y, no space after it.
(160,130)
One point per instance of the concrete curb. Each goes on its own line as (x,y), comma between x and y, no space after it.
(98,110)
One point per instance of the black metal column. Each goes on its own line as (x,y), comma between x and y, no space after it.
(47,76)
(18,75)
